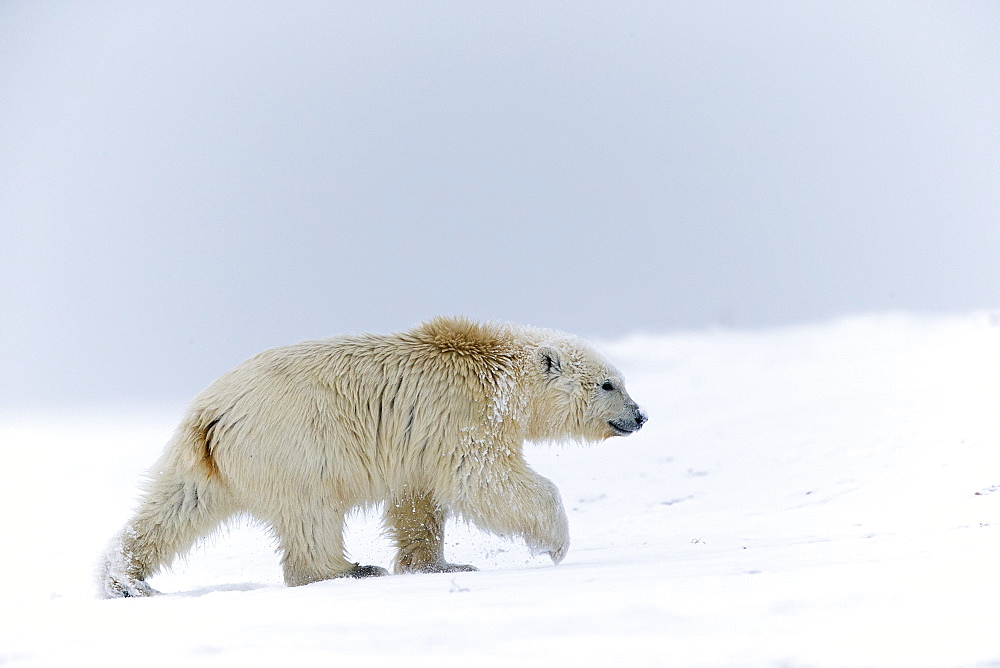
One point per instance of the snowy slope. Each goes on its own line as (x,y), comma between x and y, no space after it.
(821,495)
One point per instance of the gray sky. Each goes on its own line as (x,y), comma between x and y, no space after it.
(183,184)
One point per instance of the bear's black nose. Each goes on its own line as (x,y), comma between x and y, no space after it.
(640,418)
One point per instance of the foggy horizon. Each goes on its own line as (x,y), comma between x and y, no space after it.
(182,186)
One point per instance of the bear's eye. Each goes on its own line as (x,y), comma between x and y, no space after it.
(607,386)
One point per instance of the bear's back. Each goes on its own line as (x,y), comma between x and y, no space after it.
(393,405)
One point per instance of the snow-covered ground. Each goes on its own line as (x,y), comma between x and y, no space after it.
(819,495)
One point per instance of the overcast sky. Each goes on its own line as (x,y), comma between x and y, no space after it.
(183,184)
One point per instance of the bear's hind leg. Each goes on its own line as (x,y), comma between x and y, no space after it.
(175,512)
(416,524)
(312,549)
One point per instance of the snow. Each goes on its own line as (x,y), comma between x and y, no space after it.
(817,495)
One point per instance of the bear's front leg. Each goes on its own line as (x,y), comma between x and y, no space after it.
(416,524)
(518,502)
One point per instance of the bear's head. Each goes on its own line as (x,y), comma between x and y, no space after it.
(582,396)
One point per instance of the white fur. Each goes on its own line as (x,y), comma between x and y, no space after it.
(430,421)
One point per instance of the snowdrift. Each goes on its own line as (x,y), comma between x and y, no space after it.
(822,495)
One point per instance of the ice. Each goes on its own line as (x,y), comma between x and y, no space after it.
(816,495)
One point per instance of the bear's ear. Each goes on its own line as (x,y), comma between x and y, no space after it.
(549,360)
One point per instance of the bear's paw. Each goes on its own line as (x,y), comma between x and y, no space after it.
(359,571)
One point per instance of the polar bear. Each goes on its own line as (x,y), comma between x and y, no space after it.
(430,422)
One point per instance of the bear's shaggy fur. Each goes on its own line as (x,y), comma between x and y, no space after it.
(431,422)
